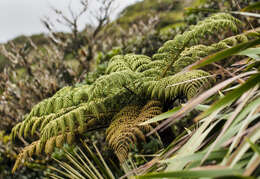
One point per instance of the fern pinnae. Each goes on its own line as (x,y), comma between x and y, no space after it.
(208,26)
(29,127)
(37,147)
(80,118)
(127,62)
(15,130)
(195,53)
(161,89)
(63,123)
(51,117)
(137,61)
(49,145)
(127,135)
(59,105)
(81,95)
(71,121)
(115,79)
(24,154)
(116,66)
(117,98)
(60,140)
(125,130)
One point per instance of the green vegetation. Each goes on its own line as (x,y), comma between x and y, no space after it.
(178,98)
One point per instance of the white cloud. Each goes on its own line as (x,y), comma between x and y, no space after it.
(19,17)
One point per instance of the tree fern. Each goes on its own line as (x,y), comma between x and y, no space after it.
(117,98)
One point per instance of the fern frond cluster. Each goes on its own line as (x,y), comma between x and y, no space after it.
(211,25)
(124,130)
(197,52)
(216,23)
(117,98)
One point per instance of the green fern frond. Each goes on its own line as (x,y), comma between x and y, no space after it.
(186,84)
(124,129)
(111,81)
(117,98)
(171,49)
(195,53)
(65,98)
(37,147)
(68,122)
(127,62)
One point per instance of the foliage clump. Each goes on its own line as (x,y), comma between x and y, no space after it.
(125,92)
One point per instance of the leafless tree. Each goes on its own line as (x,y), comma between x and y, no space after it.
(84,42)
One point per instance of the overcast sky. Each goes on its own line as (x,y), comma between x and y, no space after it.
(19,17)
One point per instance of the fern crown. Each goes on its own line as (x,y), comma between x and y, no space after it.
(132,91)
